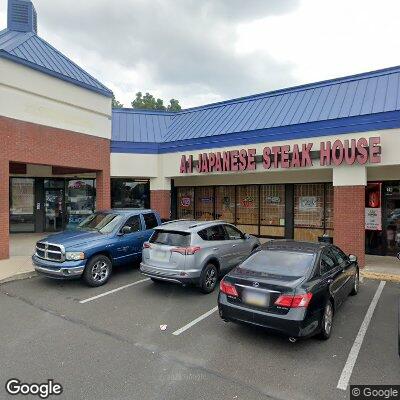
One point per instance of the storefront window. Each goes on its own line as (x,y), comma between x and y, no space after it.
(80,200)
(126,193)
(272,203)
(247,208)
(185,206)
(22,205)
(204,203)
(329,209)
(309,211)
(225,203)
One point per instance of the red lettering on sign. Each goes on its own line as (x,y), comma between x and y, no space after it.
(362,156)
(295,156)
(242,160)
(305,155)
(285,156)
(226,164)
(374,156)
(251,162)
(234,160)
(198,166)
(337,152)
(350,151)
(182,168)
(275,151)
(211,161)
(267,158)
(218,163)
(325,153)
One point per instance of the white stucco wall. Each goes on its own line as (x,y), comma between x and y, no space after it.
(135,165)
(32,96)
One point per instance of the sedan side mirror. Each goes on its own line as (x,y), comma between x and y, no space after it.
(352,258)
(125,230)
(246,236)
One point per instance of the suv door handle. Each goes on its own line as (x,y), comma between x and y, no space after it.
(234,245)
(215,248)
(329,280)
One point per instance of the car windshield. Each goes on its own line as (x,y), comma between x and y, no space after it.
(170,238)
(279,262)
(101,222)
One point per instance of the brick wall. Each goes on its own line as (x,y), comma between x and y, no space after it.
(349,220)
(160,200)
(37,144)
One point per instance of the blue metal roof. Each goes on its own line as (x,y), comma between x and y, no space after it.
(356,103)
(29,49)
(131,125)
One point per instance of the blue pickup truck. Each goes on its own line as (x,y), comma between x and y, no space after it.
(101,241)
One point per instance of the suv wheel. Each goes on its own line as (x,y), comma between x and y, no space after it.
(208,278)
(97,271)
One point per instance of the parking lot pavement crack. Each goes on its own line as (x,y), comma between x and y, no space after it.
(153,350)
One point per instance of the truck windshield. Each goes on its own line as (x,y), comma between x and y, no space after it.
(101,222)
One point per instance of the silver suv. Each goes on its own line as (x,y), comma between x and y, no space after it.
(195,252)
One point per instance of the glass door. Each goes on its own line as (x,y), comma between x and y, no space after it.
(54,209)
(392,218)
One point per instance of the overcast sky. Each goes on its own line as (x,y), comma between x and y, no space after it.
(201,51)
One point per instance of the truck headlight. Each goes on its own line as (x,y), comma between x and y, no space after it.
(74,255)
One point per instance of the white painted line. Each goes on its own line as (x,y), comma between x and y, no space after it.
(113,291)
(195,321)
(352,358)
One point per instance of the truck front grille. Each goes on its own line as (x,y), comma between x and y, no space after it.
(51,252)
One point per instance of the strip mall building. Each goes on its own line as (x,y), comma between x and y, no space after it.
(306,162)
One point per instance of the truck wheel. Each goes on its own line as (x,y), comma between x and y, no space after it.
(208,278)
(97,271)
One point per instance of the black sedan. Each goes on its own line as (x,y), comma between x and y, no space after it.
(289,287)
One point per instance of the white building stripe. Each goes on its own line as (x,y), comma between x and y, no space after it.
(195,321)
(352,358)
(113,291)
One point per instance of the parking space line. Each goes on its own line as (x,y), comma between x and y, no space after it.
(194,322)
(113,291)
(355,349)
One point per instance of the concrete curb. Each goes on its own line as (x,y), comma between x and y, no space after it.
(380,276)
(18,277)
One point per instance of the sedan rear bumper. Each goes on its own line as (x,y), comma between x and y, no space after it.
(296,323)
(171,275)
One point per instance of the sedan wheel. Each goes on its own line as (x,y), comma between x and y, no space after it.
(327,321)
(208,279)
(356,284)
(97,271)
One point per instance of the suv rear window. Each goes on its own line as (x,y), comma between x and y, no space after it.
(150,220)
(274,262)
(170,238)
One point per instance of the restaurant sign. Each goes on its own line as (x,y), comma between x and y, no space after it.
(354,151)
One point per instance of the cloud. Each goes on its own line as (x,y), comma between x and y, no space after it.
(174,48)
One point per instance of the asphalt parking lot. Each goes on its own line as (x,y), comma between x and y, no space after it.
(106,343)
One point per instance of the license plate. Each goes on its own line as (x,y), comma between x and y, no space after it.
(159,255)
(254,298)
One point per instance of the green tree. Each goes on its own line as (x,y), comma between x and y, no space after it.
(174,106)
(149,102)
(116,103)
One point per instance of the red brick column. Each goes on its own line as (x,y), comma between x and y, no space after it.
(349,220)
(4,208)
(103,194)
(160,200)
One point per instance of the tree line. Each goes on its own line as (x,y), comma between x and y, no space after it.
(149,102)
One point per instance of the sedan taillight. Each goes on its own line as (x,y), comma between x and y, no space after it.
(186,251)
(228,288)
(293,301)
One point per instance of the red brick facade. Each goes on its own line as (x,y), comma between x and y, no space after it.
(349,220)
(160,200)
(29,143)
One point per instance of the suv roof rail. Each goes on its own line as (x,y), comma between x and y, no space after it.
(206,222)
(174,220)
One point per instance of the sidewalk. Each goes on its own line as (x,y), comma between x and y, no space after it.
(19,265)
(382,268)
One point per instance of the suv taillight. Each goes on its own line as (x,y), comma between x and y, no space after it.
(186,251)
(146,245)
(228,288)
(294,301)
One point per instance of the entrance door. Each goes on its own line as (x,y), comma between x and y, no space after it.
(54,210)
(392,218)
